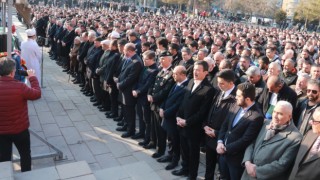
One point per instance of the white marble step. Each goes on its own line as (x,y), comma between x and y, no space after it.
(139,170)
(6,171)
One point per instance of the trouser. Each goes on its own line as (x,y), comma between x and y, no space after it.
(22,142)
(211,161)
(130,118)
(114,100)
(160,133)
(228,170)
(174,145)
(97,90)
(105,100)
(190,153)
(144,114)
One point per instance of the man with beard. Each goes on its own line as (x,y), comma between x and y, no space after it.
(301,86)
(305,109)
(307,160)
(244,64)
(232,56)
(238,131)
(255,78)
(289,72)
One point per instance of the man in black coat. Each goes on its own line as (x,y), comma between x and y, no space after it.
(192,112)
(187,61)
(67,42)
(220,107)
(128,78)
(87,42)
(239,130)
(168,112)
(275,90)
(146,80)
(158,93)
(41,25)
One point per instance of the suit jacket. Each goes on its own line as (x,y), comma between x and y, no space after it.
(306,168)
(285,94)
(275,157)
(112,64)
(217,114)
(171,106)
(194,108)
(236,139)
(189,66)
(128,78)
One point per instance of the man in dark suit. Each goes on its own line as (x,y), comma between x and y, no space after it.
(307,161)
(239,130)
(191,114)
(67,42)
(146,80)
(221,105)
(168,111)
(275,90)
(305,109)
(158,93)
(128,78)
(187,61)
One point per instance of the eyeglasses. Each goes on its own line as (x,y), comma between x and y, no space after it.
(315,122)
(313,91)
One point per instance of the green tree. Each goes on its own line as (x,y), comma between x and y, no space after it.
(308,10)
(280,16)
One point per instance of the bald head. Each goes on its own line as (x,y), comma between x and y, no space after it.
(179,74)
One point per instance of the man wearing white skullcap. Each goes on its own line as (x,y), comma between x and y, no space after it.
(30,52)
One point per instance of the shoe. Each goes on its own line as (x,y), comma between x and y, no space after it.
(151,145)
(180,172)
(93,99)
(76,82)
(96,104)
(127,134)
(118,119)
(171,165)
(165,159)
(123,128)
(81,85)
(83,90)
(111,115)
(138,136)
(89,94)
(102,110)
(65,70)
(157,155)
(120,124)
(143,143)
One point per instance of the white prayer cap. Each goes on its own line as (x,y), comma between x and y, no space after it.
(106,42)
(115,34)
(31,32)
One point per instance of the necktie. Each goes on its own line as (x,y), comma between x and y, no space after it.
(124,64)
(315,147)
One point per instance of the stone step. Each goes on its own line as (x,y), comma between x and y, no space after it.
(6,171)
(138,170)
(77,170)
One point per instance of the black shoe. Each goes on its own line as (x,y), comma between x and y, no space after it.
(118,119)
(93,99)
(123,128)
(76,82)
(127,134)
(171,165)
(89,94)
(96,104)
(65,70)
(165,159)
(111,115)
(180,172)
(81,85)
(138,136)
(143,143)
(83,90)
(120,124)
(157,155)
(151,145)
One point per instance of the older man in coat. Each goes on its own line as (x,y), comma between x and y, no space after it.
(307,161)
(274,151)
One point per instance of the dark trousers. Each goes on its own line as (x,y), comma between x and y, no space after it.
(211,161)
(190,153)
(229,170)
(144,114)
(130,118)
(114,100)
(174,145)
(160,133)
(22,142)
(98,92)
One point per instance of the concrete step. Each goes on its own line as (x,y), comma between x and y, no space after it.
(6,171)
(72,171)
(138,170)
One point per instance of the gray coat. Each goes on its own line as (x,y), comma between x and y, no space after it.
(275,157)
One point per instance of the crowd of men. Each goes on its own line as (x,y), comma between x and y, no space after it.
(247,95)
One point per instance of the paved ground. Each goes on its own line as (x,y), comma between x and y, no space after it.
(67,119)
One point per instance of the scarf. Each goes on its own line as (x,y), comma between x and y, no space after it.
(273,129)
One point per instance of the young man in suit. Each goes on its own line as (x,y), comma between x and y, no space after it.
(307,161)
(191,114)
(239,130)
(271,156)
(128,78)
(168,111)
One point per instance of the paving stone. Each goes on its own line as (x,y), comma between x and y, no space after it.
(63,121)
(57,109)
(97,147)
(75,115)
(140,170)
(31,109)
(127,160)
(94,166)
(49,173)
(102,130)
(118,149)
(77,99)
(41,105)
(60,143)
(68,104)
(114,173)
(73,169)
(71,135)
(94,120)
(6,170)
(82,153)
(107,160)
(89,136)
(35,123)
(86,177)
(46,118)
(51,130)
(83,126)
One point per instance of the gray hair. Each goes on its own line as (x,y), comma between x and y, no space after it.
(277,65)
(209,60)
(285,104)
(253,70)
